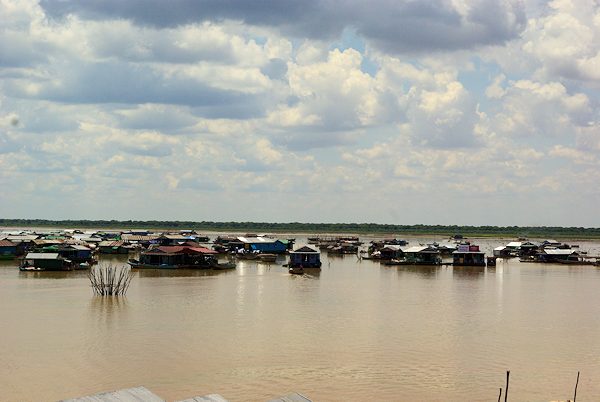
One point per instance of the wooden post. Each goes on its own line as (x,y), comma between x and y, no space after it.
(506,389)
(500,395)
(576,384)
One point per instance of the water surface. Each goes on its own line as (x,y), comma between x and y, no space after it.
(355,331)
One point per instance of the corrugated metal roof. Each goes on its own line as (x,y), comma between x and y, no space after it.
(131,237)
(206,398)
(80,247)
(142,394)
(394,247)
(42,256)
(111,243)
(514,244)
(305,249)
(256,240)
(22,237)
(295,397)
(559,251)
(418,249)
(138,394)
(180,249)
(6,243)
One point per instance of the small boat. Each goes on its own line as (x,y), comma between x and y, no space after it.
(296,270)
(30,269)
(223,265)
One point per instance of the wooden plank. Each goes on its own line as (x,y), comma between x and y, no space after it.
(137,394)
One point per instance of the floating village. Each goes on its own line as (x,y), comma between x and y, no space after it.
(66,250)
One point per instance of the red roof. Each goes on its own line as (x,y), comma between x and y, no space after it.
(6,243)
(181,250)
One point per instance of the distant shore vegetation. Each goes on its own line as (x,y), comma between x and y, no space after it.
(316,228)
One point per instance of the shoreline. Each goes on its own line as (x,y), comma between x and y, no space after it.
(281,232)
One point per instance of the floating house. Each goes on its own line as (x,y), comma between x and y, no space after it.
(391,252)
(112,247)
(174,257)
(77,253)
(557,255)
(422,255)
(468,255)
(528,248)
(45,262)
(263,245)
(502,252)
(305,257)
(8,250)
(24,242)
(344,247)
(174,239)
(550,243)
(143,239)
(73,252)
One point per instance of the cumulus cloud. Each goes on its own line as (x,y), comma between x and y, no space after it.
(563,40)
(545,109)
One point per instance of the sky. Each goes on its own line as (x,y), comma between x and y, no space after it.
(466,112)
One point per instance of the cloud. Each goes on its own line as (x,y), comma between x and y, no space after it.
(393,26)
(326,105)
(112,82)
(543,109)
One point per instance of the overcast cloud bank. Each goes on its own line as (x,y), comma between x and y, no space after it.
(449,112)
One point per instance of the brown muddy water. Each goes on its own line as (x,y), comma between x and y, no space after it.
(358,331)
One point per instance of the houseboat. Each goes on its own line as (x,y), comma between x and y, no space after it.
(8,250)
(468,255)
(263,245)
(391,252)
(113,247)
(562,256)
(304,257)
(175,257)
(45,262)
(420,255)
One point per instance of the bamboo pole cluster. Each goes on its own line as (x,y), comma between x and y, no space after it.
(109,280)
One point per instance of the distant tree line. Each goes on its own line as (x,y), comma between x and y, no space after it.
(360,228)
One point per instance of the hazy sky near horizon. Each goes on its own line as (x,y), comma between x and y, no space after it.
(390,111)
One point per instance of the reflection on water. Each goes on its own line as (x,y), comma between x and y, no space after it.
(355,330)
(469,272)
(177,273)
(52,274)
(426,271)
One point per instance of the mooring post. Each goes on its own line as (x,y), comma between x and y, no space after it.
(576,384)
(500,395)
(506,388)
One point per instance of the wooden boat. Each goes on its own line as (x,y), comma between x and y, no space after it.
(223,265)
(296,270)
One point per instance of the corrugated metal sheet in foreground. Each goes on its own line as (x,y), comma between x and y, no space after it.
(137,394)
(143,394)
(295,397)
